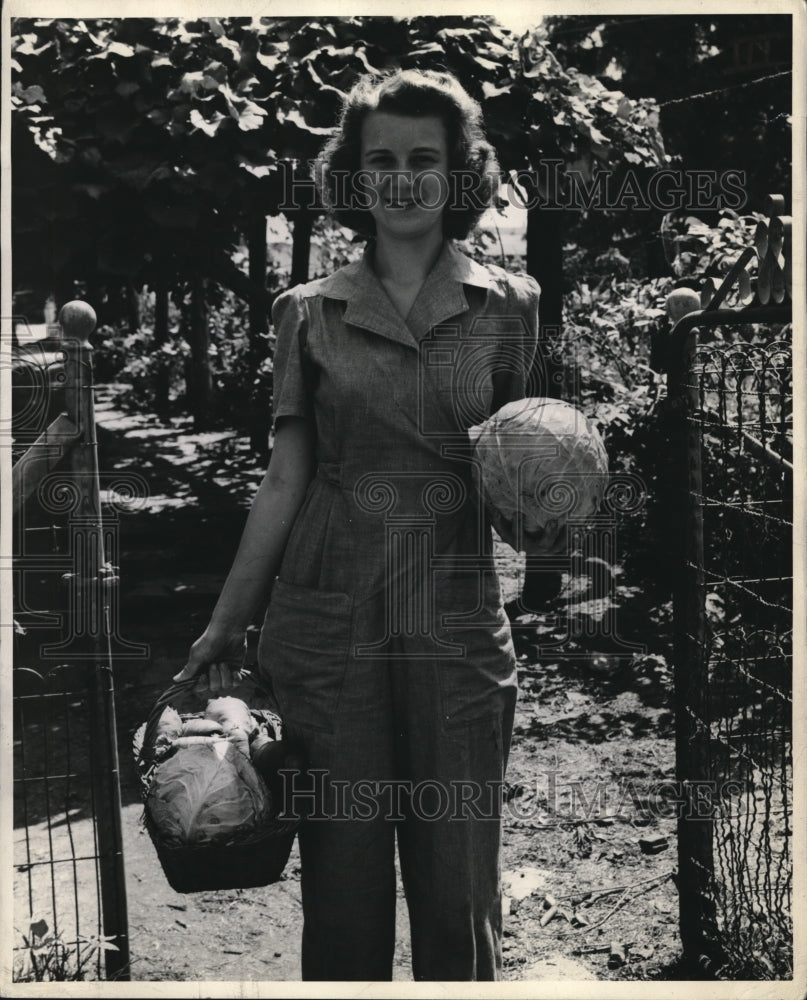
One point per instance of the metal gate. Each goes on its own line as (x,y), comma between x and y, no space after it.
(731,412)
(70,915)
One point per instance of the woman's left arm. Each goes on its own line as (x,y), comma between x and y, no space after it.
(512,382)
(519,373)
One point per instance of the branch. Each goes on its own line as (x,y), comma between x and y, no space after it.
(755,446)
(222,270)
(647,885)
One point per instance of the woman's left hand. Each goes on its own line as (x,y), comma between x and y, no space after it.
(550,542)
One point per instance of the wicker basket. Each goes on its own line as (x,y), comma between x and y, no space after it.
(252,860)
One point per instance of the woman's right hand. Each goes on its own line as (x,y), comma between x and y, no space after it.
(216,658)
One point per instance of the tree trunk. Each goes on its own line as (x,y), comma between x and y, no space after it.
(259,415)
(133,307)
(545,264)
(301,245)
(64,290)
(201,387)
(162,376)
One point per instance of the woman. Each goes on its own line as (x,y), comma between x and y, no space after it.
(385,638)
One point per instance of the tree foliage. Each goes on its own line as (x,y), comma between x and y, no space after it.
(146,150)
(152,141)
(722,82)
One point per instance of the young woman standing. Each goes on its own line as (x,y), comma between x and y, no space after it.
(385,637)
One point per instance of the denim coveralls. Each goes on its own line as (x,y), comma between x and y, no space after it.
(385,639)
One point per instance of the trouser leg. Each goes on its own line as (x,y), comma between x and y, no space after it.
(348,891)
(348,863)
(450,843)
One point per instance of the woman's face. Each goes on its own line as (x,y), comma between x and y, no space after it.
(404,173)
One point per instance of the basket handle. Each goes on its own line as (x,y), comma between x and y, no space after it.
(179,687)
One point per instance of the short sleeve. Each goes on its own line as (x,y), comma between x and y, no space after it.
(290,394)
(519,375)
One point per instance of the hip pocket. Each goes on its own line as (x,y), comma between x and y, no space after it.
(480,681)
(303,650)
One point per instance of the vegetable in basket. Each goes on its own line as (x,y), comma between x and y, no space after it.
(231,713)
(207,792)
(201,727)
(235,720)
(169,726)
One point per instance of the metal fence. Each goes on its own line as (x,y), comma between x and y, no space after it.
(70,916)
(730,395)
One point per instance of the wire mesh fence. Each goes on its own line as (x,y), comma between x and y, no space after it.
(57,856)
(70,918)
(734,651)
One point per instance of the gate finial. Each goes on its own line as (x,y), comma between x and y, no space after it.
(77,320)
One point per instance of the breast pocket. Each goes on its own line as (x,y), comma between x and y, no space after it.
(303,650)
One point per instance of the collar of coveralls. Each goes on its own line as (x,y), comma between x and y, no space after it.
(441,297)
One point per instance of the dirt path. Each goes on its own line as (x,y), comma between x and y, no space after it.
(592,748)
(253,934)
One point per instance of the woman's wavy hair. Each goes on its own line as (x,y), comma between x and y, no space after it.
(414,93)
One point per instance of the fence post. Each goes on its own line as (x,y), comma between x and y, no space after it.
(697,911)
(78,321)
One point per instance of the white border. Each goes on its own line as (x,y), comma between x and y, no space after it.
(515,13)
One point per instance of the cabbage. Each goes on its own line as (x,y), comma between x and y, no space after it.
(231,713)
(207,793)
(169,725)
(541,459)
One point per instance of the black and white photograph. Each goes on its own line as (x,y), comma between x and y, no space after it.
(402,543)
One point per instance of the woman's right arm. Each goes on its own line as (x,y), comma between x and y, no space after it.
(260,550)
